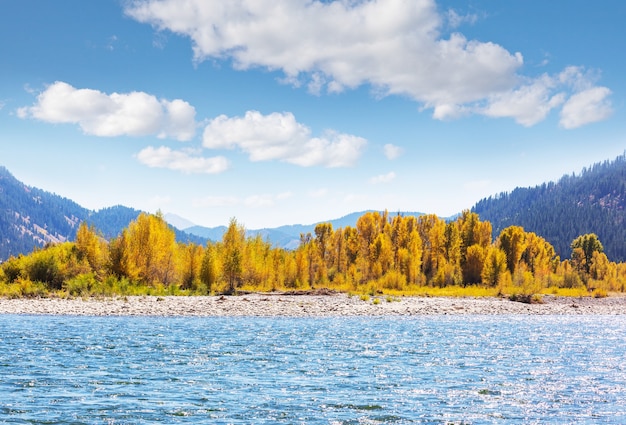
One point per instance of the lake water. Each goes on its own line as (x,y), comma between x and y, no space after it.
(420,370)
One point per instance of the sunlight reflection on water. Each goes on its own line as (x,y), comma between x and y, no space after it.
(478,369)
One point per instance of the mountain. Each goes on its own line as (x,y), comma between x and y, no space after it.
(287,236)
(31,218)
(177,221)
(593,201)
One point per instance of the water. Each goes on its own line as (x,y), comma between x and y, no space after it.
(424,370)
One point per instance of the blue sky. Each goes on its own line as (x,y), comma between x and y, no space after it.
(288,111)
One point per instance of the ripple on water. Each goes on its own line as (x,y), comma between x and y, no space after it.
(464,369)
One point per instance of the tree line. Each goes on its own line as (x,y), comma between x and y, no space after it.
(593,200)
(380,254)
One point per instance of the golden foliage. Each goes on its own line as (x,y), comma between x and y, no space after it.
(381,255)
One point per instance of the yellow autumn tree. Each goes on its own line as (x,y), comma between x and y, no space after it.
(149,250)
(232,262)
(91,248)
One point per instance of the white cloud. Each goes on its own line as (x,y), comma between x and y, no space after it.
(528,104)
(116,114)
(394,46)
(586,107)
(164,157)
(455,19)
(278,136)
(383,178)
(392,151)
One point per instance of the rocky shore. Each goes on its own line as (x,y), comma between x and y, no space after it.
(290,305)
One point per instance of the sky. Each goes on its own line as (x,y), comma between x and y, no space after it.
(280,112)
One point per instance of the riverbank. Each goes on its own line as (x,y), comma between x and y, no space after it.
(307,306)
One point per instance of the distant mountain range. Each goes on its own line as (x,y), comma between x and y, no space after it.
(31,218)
(287,237)
(593,201)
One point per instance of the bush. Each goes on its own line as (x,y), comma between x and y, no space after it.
(571,279)
(43,267)
(81,286)
(29,289)
(392,280)
(12,268)
(600,293)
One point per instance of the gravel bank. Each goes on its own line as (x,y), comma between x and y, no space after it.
(306,306)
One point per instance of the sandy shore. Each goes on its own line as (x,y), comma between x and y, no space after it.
(306,306)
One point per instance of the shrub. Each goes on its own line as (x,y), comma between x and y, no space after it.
(392,280)
(43,267)
(81,286)
(30,289)
(12,268)
(600,293)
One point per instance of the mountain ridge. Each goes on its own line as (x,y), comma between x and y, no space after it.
(30,218)
(594,201)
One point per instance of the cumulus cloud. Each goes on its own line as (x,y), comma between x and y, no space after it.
(184,161)
(395,46)
(383,178)
(115,114)
(456,20)
(582,102)
(278,136)
(586,107)
(392,151)
(527,104)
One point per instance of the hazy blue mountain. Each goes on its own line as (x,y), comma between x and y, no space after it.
(287,236)
(177,221)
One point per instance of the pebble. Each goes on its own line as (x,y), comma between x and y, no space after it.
(334,305)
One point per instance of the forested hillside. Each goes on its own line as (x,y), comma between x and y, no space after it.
(593,201)
(31,218)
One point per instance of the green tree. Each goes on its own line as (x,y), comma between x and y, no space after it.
(583,248)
